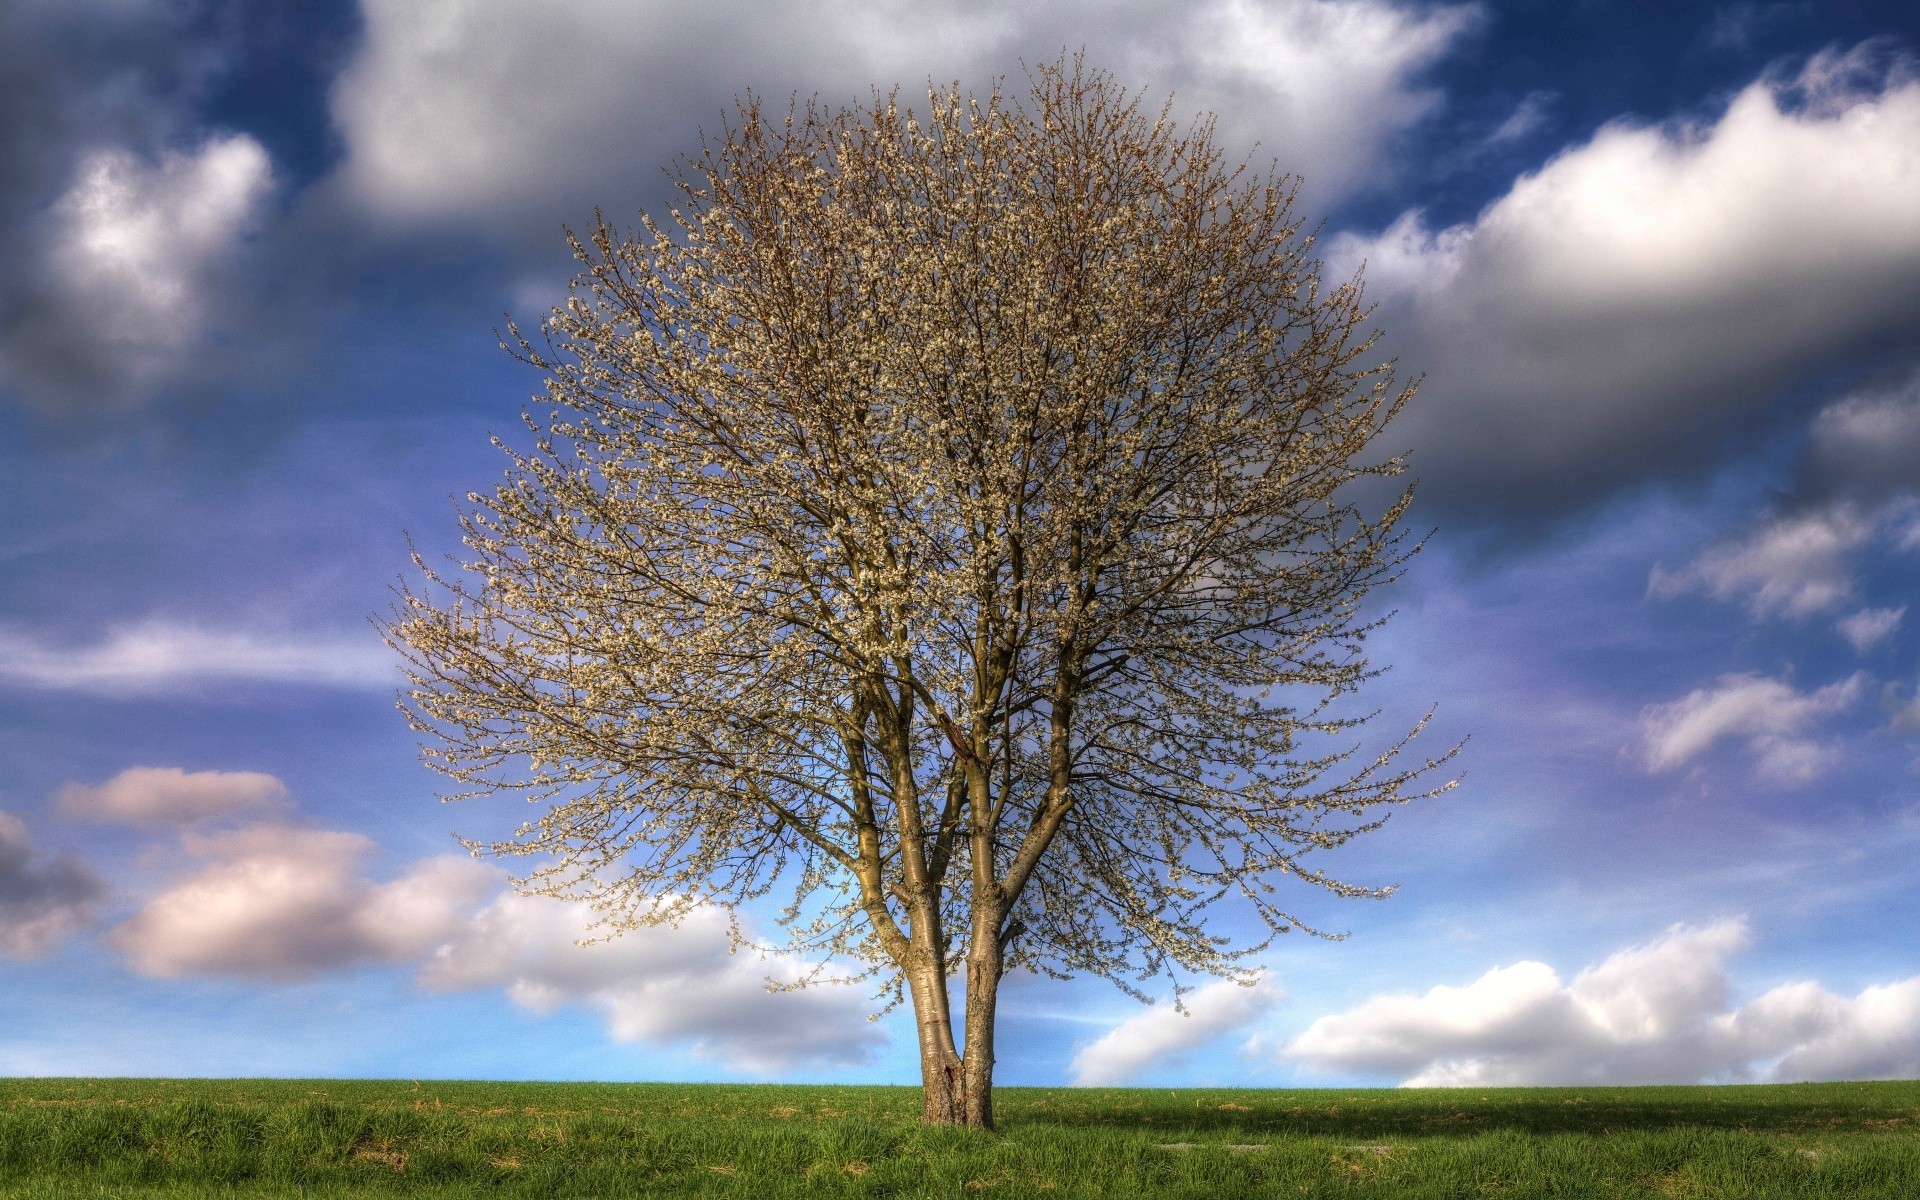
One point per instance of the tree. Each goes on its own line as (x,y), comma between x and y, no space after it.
(949,521)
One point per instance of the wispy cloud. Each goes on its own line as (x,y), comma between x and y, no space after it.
(169,794)
(1871,626)
(1772,719)
(1792,565)
(159,656)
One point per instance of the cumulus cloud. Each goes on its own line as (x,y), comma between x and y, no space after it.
(1150,1039)
(40,902)
(1656,281)
(134,255)
(1655,1013)
(664,985)
(1871,626)
(1790,565)
(1770,718)
(158,656)
(163,794)
(449,110)
(276,902)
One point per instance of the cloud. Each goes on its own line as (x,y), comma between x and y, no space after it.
(1904,715)
(1141,1042)
(144,794)
(1866,445)
(134,256)
(1656,1013)
(1649,286)
(158,656)
(1871,626)
(1532,114)
(276,902)
(661,985)
(1790,565)
(1769,717)
(449,109)
(40,904)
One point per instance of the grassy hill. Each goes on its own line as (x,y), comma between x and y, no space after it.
(175,1138)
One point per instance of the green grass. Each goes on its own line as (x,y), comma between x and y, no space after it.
(74,1138)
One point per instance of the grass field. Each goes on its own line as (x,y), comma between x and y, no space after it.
(70,1138)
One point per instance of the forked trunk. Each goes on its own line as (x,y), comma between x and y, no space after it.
(958,1086)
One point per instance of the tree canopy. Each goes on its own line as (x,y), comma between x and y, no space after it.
(950,520)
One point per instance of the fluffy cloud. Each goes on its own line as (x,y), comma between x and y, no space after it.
(171,794)
(1769,717)
(678,985)
(1648,285)
(133,255)
(1154,1036)
(1657,1013)
(274,902)
(1871,626)
(450,107)
(40,903)
(277,902)
(158,656)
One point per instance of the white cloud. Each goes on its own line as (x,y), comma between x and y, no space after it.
(663,985)
(1149,1039)
(1770,717)
(1871,626)
(157,656)
(40,903)
(450,107)
(135,253)
(1792,565)
(1648,284)
(277,902)
(1657,1013)
(171,794)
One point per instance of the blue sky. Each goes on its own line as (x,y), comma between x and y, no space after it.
(1660,263)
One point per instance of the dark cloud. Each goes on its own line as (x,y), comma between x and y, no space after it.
(40,902)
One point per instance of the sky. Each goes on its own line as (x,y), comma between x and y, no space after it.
(1658,263)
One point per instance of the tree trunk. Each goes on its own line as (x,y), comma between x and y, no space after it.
(983,993)
(958,1088)
(942,1076)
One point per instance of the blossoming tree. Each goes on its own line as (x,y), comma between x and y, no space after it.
(948,520)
